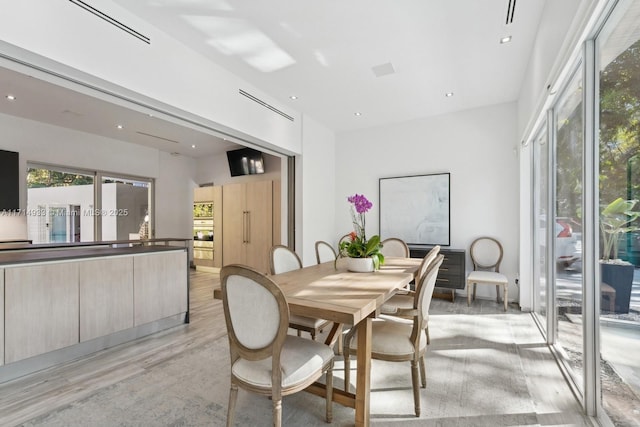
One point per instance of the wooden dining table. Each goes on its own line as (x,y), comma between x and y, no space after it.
(333,293)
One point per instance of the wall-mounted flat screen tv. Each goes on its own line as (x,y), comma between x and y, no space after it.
(9,181)
(245,161)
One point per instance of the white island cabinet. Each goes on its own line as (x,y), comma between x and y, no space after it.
(62,304)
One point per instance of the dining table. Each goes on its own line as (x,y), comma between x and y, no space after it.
(329,291)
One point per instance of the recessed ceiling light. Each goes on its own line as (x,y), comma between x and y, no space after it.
(293,97)
(120,127)
(357,113)
(11,97)
(193,145)
(448,94)
(505,40)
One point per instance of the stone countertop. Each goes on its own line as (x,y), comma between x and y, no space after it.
(61,254)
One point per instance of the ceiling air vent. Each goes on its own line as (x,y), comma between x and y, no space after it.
(266,105)
(511,8)
(157,137)
(111,21)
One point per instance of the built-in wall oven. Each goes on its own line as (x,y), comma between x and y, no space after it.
(203,235)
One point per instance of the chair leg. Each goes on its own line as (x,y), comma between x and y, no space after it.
(498,294)
(475,285)
(347,368)
(313,335)
(299,333)
(423,373)
(233,394)
(426,331)
(416,388)
(347,358)
(506,293)
(277,412)
(329,385)
(469,294)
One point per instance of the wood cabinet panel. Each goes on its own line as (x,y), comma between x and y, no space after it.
(259,208)
(203,194)
(217,226)
(160,286)
(41,303)
(277,213)
(248,224)
(106,296)
(233,232)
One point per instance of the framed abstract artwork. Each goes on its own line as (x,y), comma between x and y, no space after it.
(416,209)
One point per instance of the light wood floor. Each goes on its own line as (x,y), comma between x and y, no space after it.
(467,342)
(28,397)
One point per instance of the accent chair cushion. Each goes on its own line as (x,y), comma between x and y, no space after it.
(391,336)
(300,359)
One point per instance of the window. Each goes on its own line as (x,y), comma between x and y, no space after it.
(64,205)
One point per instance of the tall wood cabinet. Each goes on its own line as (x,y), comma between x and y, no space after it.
(249,212)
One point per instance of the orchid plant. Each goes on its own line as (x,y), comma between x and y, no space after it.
(358,246)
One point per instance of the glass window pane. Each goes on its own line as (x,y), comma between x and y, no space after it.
(59,205)
(541,192)
(125,209)
(567,227)
(619,144)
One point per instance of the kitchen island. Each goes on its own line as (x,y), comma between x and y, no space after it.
(60,303)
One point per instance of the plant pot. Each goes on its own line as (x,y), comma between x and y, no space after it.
(620,278)
(360,265)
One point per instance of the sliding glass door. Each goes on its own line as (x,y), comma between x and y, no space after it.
(540,218)
(618,54)
(67,205)
(59,204)
(567,226)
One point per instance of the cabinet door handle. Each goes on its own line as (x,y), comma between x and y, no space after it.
(248,226)
(442,279)
(244,226)
(444,269)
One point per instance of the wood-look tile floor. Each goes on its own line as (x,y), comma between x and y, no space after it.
(485,367)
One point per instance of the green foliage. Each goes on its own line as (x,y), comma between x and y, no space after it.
(39,178)
(358,247)
(615,220)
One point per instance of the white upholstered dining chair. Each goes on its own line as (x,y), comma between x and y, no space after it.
(281,260)
(264,358)
(397,340)
(325,252)
(394,247)
(486,255)
(402,301)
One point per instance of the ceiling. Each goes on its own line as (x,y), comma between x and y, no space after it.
(387,61)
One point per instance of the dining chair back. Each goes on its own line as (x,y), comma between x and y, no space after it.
(403,300)
(282,260)
(396,339)
(394,247)
(324,252)
(264,358)
(486,256)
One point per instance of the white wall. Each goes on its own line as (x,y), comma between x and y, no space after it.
(317,195)
(62,37)
(478,147)
(43,143)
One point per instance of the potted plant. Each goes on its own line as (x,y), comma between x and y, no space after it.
(363,254)
(615,221)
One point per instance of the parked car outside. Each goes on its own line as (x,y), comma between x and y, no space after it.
(568,243)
